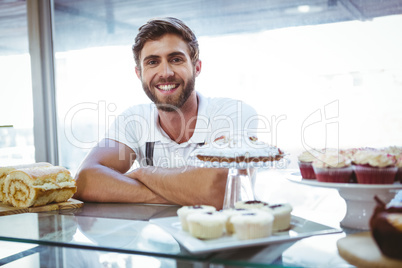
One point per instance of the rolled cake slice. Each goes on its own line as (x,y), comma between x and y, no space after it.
(33,187)
(4,171)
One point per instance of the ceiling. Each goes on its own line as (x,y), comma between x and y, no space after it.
(87,23)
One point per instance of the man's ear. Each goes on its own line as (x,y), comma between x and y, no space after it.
(198,65)
(138,72)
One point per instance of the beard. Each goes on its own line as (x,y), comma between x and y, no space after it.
(171,103)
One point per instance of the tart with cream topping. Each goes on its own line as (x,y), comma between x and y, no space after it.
(238,149)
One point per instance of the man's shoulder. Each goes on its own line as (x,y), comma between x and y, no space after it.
(139,109)
(224,103)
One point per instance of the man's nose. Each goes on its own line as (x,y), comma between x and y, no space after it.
(166,70)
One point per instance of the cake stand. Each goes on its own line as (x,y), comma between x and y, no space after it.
(239,186)
(359,198)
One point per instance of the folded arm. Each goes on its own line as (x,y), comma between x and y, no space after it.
(101,176)
(189,186)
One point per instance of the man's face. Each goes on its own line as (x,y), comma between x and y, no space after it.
(167,73)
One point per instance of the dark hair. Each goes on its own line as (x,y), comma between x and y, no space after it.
(154,29)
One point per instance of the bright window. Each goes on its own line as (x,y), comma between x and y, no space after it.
(331,85)
(16,110)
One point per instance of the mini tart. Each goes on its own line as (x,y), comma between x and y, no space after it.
(251,204)
(282,216)
(206,225)
(229,214)
(252,225)
(184,211)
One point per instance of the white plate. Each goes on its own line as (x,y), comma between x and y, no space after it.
(298,179)
(359,198)
(300,228)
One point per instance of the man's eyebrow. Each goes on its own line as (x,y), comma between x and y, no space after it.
(150,57)
(176,53)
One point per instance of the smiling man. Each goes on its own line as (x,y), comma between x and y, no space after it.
(160,136)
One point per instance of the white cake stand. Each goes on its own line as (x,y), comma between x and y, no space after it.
(359,199)
(239,183)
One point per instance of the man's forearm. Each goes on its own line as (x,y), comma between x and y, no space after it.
(102,184)
(190,187)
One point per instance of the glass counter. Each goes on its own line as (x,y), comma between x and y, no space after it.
(123,235)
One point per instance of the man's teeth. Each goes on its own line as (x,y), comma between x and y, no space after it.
(167,87)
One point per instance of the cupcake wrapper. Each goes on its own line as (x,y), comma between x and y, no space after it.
(307,171)
(338,175)
(398,176)
(374,175)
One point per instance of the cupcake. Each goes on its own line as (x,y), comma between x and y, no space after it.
(398,176)
(394,150)
(252,225)
(229,214)
(333,167)
(206,225)
(183,213)
(282,216)
(386,228)
(305,161)
(374,167)
(397,151)
(250,204)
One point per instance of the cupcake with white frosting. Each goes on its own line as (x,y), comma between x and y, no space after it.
(229,214)
(305,161)
(397,151)
(398,176)
(252,225)
(333,167)
(251,204)
(185,211)
(206,225)
(374,167)
(282,216)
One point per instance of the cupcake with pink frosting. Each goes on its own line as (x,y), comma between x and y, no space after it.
(374,167)
(333,167)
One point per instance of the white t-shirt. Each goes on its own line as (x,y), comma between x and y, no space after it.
(216,117)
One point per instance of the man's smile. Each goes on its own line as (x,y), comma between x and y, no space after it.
(167,87)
